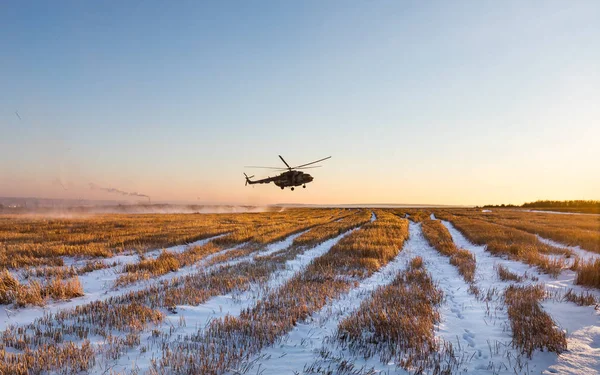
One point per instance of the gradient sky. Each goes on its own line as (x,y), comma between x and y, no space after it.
(440,102)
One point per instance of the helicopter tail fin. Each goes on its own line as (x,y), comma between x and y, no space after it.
(248,181)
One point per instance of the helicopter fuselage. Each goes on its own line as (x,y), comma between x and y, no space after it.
(292,178)
(286,179)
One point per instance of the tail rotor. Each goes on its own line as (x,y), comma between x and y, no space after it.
(248,179)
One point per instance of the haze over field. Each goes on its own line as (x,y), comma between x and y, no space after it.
(463,103)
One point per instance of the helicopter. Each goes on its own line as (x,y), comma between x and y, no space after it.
(290,178)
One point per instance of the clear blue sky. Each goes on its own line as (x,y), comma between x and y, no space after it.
(418,102)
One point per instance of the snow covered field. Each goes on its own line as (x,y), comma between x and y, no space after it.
(474,331)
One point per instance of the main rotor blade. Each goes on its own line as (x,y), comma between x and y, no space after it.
(285,162)
(314,166)
(255,166)
(303,165)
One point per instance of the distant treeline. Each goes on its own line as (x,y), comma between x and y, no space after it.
(562,204)
(587,206)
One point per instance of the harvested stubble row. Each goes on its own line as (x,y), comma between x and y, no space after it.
(514,243)
(397,322)
(131,313)
(166,262)
(27,241)
(573,230)
(36,293)
(47,359)
(274,226)
(38,241)
(532,327)
(415,215)
(589,274)
(439,238)
(331,230)
(43,346)
(117,314)
(228,341)
(169,261)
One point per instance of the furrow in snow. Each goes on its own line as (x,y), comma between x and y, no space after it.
(486,274)
(583,254)
(102,280)
(302,345)
(582,323)
(205,264)
(198,317)
(97,287)
(480,337)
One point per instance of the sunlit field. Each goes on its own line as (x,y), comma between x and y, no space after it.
(301,291)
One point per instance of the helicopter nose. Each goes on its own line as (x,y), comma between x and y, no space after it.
(308,178)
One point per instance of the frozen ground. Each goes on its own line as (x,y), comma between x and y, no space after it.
(190,320)
(98,285)
(478,330)
(581,323)
(480,336)
(99,289)
(584,255)
(303,345)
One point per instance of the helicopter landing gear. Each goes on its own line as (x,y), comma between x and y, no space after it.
(282,188)
(292,189)
(304,186)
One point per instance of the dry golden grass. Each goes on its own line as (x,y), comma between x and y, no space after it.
(581,298)
(133,312)
(196,288)
(439,237)
(589,274)
(574,230)
(43,349)
(59,289)
(506,275)
(361,253)
(37,241)
(36,293)
(397,323)
(30,295)
(45,346)
(48,359)
(165,262)
(34,241)
(168,261)
(514,243)
(414,214)
(49,335)
(579,230)
(64,272)
(532,327)
(47,272)
(9,286)
(333,229)
(275,226)
(354,257)
(94,265)
(37,245)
